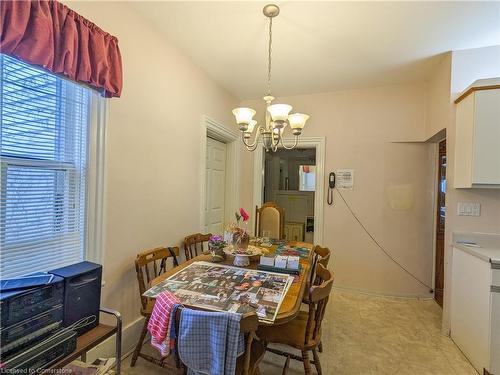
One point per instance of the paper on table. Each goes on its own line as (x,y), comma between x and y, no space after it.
(226,288)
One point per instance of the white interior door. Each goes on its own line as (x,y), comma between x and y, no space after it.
(215,186)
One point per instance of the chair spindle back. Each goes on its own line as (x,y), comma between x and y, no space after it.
(150,264)
(194,244)
(321,256)
(318,299)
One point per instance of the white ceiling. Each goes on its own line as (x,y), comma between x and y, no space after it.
(322,46)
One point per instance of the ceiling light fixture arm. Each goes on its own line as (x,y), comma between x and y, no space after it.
(246,136)
(294,143)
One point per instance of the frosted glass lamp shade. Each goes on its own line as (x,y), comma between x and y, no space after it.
(298,120)
(279,112)
(251,126)
(243,115)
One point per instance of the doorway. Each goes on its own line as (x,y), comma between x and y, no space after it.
(215,173)
(290,182)
(316,143)
(219,174)
(440,224)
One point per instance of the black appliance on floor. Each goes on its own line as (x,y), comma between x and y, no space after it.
(82,293)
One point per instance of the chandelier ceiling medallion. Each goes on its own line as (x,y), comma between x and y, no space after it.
(278,116)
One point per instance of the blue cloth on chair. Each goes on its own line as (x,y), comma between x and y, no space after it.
(209,342)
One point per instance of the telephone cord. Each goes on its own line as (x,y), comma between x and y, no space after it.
(381,247)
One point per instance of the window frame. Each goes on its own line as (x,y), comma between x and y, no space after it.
(94,219)
(95,228)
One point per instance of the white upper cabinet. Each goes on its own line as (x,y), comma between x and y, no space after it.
(477,138)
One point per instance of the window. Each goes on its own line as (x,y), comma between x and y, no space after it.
(44,146)
(307,177)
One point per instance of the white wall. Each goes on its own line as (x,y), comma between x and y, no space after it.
(153,153)
(464,67)
(472,64)
(438,97)
(153,158)
(359,126)
(394,191)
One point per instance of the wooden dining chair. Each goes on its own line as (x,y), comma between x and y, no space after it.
(194,244)
(322,256)
(248,325)
(304,331)
(149,264)
(270,217)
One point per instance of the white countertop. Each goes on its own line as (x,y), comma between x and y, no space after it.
(485,246)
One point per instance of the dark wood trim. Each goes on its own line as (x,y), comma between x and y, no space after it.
(440,227)
(470,90)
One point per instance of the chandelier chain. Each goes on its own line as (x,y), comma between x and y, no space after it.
(269,57)
(277,116)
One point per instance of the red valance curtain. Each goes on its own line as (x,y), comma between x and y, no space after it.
(49,34)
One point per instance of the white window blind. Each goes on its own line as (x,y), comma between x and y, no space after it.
(43,143)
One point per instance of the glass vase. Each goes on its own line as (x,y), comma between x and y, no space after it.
(241,241)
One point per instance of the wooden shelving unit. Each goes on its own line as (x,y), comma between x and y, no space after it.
(92,338)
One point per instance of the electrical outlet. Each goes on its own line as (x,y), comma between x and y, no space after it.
(468,209)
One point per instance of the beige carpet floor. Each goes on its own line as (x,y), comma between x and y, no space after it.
(364,334)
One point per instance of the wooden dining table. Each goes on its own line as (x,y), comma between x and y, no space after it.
(290,306)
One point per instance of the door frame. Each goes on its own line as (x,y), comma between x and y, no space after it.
(304,142)
(434,212)
(213,129)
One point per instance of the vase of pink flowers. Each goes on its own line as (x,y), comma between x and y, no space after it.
(216,244)
(241,237)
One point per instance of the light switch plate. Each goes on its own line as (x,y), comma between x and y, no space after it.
(468,209)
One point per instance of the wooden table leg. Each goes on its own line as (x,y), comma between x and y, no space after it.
(258,351)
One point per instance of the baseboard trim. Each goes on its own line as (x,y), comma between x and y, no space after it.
(130,335)
(377,294)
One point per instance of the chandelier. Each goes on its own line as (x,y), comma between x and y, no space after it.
(278,116)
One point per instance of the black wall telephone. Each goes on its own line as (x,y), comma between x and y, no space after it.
(331,186)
